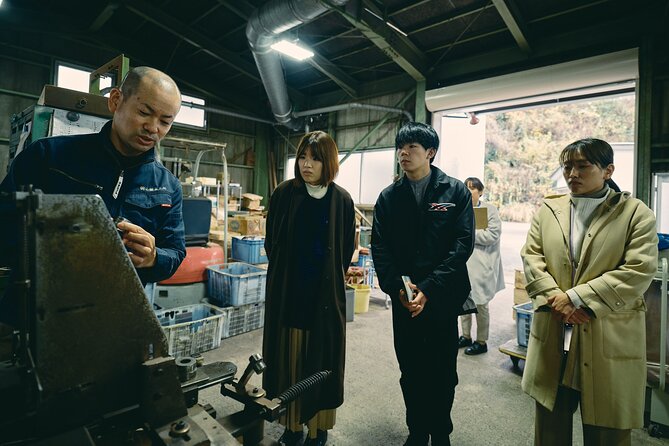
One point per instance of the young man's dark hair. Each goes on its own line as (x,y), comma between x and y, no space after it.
(417,132)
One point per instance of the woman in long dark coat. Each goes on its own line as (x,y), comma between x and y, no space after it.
(310,242)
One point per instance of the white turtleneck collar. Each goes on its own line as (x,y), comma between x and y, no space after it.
(316,192)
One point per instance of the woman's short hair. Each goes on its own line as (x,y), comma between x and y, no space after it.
(324,149)
(417,132)
(475,183)
(596,151)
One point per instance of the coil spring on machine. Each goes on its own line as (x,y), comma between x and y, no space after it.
(292,392)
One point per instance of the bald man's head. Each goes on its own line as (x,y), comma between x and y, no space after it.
(137,75)
(144,109)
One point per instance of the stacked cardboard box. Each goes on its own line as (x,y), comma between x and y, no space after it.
(519,293)
(251,201)
(247,224)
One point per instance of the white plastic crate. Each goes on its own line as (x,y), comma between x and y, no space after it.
(236,284)
(243,318)
(192,329)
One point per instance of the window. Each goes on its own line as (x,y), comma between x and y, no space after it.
(191,116)
(68,76)
(76,78)
(364,174)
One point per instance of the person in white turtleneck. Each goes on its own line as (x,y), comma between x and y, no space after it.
(589,257)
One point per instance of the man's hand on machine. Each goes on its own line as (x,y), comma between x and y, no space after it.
(417,305)
(142,245)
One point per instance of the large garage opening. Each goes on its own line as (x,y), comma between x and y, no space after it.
(509,131)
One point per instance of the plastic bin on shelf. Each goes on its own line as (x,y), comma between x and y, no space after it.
(236,284)
(192,329)
(249,249)
(524,314)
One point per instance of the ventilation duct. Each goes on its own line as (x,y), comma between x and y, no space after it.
(265,24)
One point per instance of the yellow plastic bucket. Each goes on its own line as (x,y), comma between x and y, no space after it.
(362,293)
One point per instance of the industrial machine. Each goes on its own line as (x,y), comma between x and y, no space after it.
(89,363)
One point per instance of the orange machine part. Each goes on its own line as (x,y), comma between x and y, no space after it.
(194,267)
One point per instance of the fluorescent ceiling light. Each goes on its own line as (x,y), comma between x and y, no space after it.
(292,50)
(387,22)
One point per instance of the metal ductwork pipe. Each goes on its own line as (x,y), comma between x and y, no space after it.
(265,24)
(351,105)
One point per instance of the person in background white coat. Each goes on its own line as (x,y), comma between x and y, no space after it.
(485,273)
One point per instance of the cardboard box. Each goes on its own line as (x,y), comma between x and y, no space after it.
(481,217)
(76,101)
(519,279)
(207,181)
(246,225)
(520,296)
(251,201)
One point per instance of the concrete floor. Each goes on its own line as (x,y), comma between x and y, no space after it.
(489,407)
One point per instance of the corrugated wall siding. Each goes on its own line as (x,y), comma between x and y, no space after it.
(349,127)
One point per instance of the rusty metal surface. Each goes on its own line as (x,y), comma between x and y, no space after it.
(94,325)
(202,431)
(161,398)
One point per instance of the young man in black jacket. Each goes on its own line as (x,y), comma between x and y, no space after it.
(424,229)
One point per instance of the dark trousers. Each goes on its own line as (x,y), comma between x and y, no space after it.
(427,351)
(555,428)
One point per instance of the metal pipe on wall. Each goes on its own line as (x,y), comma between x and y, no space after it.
(352,105)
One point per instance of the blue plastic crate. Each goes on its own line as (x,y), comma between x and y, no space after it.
(249,250)
(192,329)
(236,284)
(524,314)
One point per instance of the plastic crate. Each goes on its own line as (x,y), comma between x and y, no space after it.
(192,329)
(249,250)
(243,319)
(524,314)
(236,284)
(173,296)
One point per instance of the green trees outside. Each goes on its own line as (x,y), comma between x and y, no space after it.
(522,147)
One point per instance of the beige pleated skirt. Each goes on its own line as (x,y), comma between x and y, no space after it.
(297,341)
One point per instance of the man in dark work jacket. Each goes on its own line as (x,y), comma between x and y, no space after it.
(119,164)
(424,228)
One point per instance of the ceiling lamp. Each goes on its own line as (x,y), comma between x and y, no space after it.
(474,119)
(291,49)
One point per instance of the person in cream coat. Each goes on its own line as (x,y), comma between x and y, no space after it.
(589,258)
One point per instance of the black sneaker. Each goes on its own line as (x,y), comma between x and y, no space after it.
(464,341)
(476,349)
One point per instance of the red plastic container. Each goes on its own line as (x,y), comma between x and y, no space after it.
(194,267)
